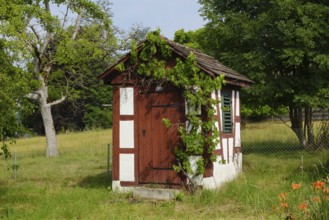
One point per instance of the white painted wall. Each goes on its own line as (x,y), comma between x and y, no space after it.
(237,134)
(194,166)
(229,165)
(192,108)
(233,108)
(230,150)
(213,96)
(126,137)
(127,101)
(127,167)
(220,110)
(223,172)
(217,126)
(224,146)
(237,108)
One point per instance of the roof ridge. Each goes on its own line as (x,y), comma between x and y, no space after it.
(205,62)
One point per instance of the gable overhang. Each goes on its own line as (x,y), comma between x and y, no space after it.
(206,63)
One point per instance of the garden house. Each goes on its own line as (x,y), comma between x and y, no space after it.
(143,147)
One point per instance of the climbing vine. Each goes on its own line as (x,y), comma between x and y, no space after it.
(199,135)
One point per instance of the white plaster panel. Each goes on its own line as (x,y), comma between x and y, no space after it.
(220,110)
(127,101)
(219,159)
(224,146)
(194,166)
(237,135)
(193,162)
(213,96)
(233,107)
(217,126)
(237,108)
(126,139)
(127,167)
(192,108)
(230,150)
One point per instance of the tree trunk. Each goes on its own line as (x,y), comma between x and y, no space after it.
(41,95)
(49,130)
(309,126)
(296,119)
(47,118)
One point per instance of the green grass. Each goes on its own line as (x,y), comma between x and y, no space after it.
(75,185)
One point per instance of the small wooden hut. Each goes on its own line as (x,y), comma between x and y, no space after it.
(143,147)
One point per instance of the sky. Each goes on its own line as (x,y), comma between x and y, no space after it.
(168,15)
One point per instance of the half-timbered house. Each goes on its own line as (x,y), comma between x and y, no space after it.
(143,146)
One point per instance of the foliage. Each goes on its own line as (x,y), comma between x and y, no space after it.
(199,136)
(282,45)
(64,52)
(87,106)
(192,39)
(313,205)
(14,83)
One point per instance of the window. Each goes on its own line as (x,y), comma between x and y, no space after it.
(227,112)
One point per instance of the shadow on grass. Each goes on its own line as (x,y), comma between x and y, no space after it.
(102,180)
(3,189)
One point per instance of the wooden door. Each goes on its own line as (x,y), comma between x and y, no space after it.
(156,141)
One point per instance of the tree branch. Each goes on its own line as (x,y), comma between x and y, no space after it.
(35,32)
(192,188)
(65,16)
(281,119)
(49,34)
(77,26)
(45,45)
(57,101)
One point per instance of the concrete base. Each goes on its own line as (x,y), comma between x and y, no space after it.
(154,193)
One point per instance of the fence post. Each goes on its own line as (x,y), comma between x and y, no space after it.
(15,165)
(108,159)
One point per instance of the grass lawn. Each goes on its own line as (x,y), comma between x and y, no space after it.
(75,185)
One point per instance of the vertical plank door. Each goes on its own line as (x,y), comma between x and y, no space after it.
(156,141)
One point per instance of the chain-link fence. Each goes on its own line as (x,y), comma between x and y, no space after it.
(275,136)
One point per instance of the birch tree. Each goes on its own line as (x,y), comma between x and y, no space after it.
(54,39)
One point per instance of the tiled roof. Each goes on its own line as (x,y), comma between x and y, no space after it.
(206,63)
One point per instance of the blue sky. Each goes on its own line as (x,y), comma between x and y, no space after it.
(168,15)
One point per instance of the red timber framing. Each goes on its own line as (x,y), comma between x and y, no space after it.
(116,136)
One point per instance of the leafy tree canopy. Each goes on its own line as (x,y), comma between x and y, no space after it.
(62,51)
(283,45)
(14,83)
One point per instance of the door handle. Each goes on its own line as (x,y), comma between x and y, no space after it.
(144,132)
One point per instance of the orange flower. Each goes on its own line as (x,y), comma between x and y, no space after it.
(284,205)
(326,190)
(302,206)
(295,186)
(282,196)
(315,199)
(318,184)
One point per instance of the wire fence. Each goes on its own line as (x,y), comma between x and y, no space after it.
(276,137)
